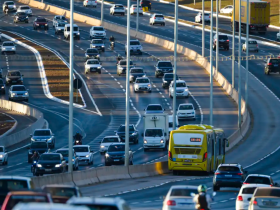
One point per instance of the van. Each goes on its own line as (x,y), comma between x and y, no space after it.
(76,31)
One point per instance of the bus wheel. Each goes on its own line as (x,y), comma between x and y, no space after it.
(175,172)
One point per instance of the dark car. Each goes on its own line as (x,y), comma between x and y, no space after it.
(228,175)
(115,155)
(223,42)
(65,154)
(272,65)
(121,67)
(50,163)
(135,73)
(14,77)
(163,67)
(1,70)
(145,3)
(259,179)
(61,193)
(92,53)
(40,23)
(133,133)
(40,147)
(21,17)
(167,79)
(154,108)
(2,87)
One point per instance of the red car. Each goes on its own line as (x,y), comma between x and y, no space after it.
(13,198)
(40,22)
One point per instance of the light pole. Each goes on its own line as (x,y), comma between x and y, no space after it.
(203,30)
(127,98)
(70,138)
(211,66)
(137,18)
(239,68)
(217,35)
(102,12)
(247,54)
(233,46)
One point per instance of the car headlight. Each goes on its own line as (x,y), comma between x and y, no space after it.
(57,165)
(165,81)
(26,94)
(134,134)
(49,139)
(2,87)
(73,160)
(101,146)
(99,67)
(161,141)
(145,142)
(107,155)
(33,139)
(39,165)
(102,46)
(86,55)
(46,24)
(13,94)
(4,48)
(34,162)
(87,156)
(27,17)
(13,48)
(78,33)
(186,90)
(94,46)
(1,156)
(36,24)
(149,85)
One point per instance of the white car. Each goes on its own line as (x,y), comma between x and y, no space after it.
(3,156)
(260,179)
(117,9)
(133,9)
(59,18)
(84,154)
(157,19)
(11,6)
(97,32)
(8,46)
(142,84)
(25,9)
(170,123)
(198,17)
(186,111)
(59,27)
(93,65)
(18,93)
(90,3)
(107,141)
(181,89)
(227,10)
(135,47)
(48,206)
(245,194)
(179,197)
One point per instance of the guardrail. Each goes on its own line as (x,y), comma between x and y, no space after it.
(25,133)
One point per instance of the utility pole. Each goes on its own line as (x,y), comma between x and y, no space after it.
(217,35)
(233,47)
(247,54)
(102,12)
(203,30)
(211,66)
(239,68)
(137,19)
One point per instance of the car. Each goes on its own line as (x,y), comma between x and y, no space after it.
(14,77)
(59,18)
(65,154)
(223,42)
(98,44)
(13,198)
(0,39)
(227,9)
(142,84)
(18,93)
(272,66)
(47,206)
(40,147)
(163,67)
(167,78)
(97,32)
(170,123)
(59,27)
(136,72)
(135,47)
(259,179)
(76,31)
(146,3)
(26,9)
(11,6)
(92,53)
(3,156)
(40,22)
(117,9)
(278,36)
(245,194)
(186,111)
(265,198)
(198,17)
(133,133)
(92,3)
(115,155)
(133,9)
(21,17)
(50,163)
(8,46)
(121,67)
(157,19)
(93,65)
(45,135)
(103,203)
(106,142)
(84,154)
(154,108)
(61,193)
(2,87)
(228,175)
(180,197)
(253,46)
(181,89)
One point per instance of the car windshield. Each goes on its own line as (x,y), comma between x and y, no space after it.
(159,16)
(154,107)
(74,29)
(10,3)
(24,8)
(42,133)
(61,191)
(1,149)
(15,199)
(153,132)
(61,18)
(122,128)
(142,81)
(258,180)
(116,148)
(274,61)
(181,84)
(97,42)
(124,63)
(49,157)
(268,192)
(134,43)
(41,20)
(18,88)
(92,62)
(98,206)
(248,190)
(38,145)
(119,6)
(165,64)
(252,42)
(63,152)
(228,168)
(98,29)
(12,184)
(170,76)
(136,71)
(14,73)
(8,44)
(183,192)
(21,13)
(186,107)
(170,124)
(61,24)
(224,37)
(108,140)
(81,149)
(92,51)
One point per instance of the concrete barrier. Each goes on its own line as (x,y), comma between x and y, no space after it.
(64,178)
(25,133)
(86,177)
(112,173)
(158,168)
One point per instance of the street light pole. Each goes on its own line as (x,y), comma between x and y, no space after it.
(102,12)
(217,35)
(247,54)
(137,18)
(211,66)
(233,46)
(239,68)
(203,30)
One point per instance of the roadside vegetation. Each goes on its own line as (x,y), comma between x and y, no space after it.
(6,123)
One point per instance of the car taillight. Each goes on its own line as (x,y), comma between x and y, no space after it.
(169,155)
(141,8)
(239,198)
(150,3)
(228,40)
(171,203)
(204,156)
(154,17)
(245,183)
(217,173)
(269,64)
(162,17)
(240,174)
(255,202)
(256,45)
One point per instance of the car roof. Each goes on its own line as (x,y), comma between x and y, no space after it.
(183,187)
(59,185)
(8,42)
(259,175)
(8,1)
(158,14)
(138,78)
(93,60)
(26,193)
(24,6)
(134,40)
(17,86)
(154,105)
(48,206)
(164,61)
(96,39)
(51,153)
(119,143)
(63,149)
(253,185)
(229,164)
(13,70)
(179,81)
(110,137)
(124,125)
(43,129)
(69,25)
(97,26)
(94,200)
(16,178)
(118,5)
(186,104)
(136,68)
(81,146)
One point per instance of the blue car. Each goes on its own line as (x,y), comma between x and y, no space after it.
(116,155)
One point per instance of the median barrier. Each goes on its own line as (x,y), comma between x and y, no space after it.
(157,168)
(86,177)
(112,173)
(64,178)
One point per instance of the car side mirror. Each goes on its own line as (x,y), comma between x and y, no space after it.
(142,134)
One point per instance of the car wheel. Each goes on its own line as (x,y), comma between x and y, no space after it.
(216,188)
(6,163)
(26,100)
(257,50)
(27,21)
(113,13)
(99,72)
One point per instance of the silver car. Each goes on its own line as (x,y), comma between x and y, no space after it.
(44,135)
(142,84)
(8,46)
(98,44)
(65,154)
(253,46)
(265,198)
(18,93)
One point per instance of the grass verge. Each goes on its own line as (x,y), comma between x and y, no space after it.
(6,123)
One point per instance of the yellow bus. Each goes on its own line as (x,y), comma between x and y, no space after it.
(193,148)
